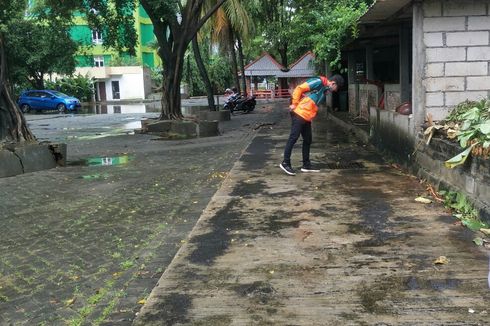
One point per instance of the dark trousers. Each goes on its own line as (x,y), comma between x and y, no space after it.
(299,126)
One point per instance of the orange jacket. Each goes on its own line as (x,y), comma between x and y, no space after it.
(306,105)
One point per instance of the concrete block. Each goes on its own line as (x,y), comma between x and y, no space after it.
(433,39)
(478,83)
(401,123)
(208,128)
(10,164)
(478,23)
(434,70)
(59,151)
(186,129)
(466,69)
(438,113)
(454,98)
(479,53)
(464,8)
(36,157)
(434,99)
(444,84)
(470,186)
(467,38)
(159,126)
(222,115)
(443,24)
(445,54)
(432,8)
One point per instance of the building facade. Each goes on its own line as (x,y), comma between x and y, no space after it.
(118,76)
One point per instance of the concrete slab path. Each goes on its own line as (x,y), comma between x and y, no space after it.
(346,246)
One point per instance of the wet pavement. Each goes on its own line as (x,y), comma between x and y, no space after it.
(86,243)
(346,246)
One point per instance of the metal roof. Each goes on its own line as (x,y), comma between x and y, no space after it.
(266,65)
(382,10)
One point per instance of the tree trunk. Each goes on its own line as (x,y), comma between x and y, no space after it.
(13,127)
(283,52)
(172,76)
(204,73)
(242,64)
(234,64)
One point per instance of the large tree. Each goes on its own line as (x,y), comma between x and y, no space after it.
(35,49)
(13,127)
(175,25)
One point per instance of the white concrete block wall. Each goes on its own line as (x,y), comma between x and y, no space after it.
(457,53)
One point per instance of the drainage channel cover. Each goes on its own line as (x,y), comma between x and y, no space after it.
(343,165)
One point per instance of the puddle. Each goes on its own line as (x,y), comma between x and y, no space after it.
(154,107)
(108,161)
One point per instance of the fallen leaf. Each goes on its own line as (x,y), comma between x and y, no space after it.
(70,302)
(442,260)
(471,311)
(423,200)
(485,231)
(478,241)
(142,301)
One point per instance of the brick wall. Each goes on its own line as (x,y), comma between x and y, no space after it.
(457,41)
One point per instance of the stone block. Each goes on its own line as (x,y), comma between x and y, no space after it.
(208,128)
(433,39)
(464,8)
(470,186)
(479,53)
(446,54)
(222,115)
(454,98)
(36,157)
(466,69)
(467,38)
(434,70)
(444,24)
(186,129)
(10,164)
(478,83)
(159,126)
(478,23)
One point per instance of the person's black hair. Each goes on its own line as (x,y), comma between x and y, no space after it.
(234,89)
(339,80)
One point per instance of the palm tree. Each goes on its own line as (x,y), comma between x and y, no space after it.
(230,25)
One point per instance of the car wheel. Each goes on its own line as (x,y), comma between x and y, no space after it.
(61,108)
(25,108)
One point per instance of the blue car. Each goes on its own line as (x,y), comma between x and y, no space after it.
(47,100)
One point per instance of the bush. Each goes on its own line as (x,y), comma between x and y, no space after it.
(81,87)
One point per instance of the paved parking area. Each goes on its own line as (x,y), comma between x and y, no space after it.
(86,244)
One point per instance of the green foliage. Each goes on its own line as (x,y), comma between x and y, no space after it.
(329,26)
(463,209)
(474,121)
(81,87)
(469,123)
(35,49)
(124,60)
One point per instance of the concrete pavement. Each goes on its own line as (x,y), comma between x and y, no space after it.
(346,246)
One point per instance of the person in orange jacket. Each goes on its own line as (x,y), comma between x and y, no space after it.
(303,108)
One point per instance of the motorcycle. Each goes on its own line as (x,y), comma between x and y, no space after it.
(239,102)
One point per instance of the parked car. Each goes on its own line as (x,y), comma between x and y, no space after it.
(47,100)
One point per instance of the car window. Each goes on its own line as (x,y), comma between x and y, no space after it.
(43,95)
(31,94)
(59,94)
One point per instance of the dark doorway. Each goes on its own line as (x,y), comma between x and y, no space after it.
(101,94)
(115,90)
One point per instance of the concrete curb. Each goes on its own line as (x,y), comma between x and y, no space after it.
(27,158)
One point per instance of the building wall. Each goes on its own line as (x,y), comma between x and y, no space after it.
(457,52)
